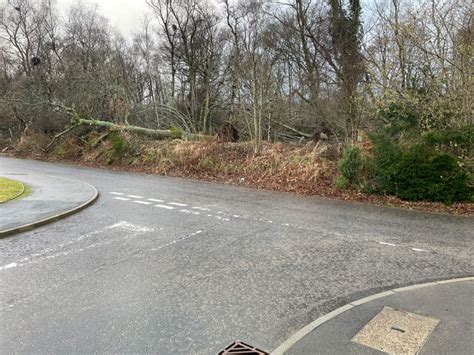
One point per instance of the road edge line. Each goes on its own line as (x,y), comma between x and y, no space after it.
(300,334)
(57,217)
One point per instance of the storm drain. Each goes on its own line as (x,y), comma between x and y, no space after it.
(239,347)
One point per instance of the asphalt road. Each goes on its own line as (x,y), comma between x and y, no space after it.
(202,265)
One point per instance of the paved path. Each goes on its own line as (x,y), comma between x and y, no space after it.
(50,197)
(182,267)
(452,304)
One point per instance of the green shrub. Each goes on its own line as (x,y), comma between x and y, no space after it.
(422,174)
(350,166)
(401,116)
(341,182)
(386,154)
(457,141)
(118,143)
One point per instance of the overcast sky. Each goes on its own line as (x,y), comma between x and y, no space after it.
(123,14)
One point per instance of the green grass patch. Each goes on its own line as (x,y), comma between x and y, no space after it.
(10,189)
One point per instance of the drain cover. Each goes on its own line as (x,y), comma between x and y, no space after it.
(396,332)
(239,347)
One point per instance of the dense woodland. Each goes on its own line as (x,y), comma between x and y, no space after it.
(265,70)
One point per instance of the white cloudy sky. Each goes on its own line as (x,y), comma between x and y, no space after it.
(123,14)
(126,15)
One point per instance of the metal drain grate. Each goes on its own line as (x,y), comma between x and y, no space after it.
(239,347)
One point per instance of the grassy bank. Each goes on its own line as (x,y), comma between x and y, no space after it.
(280,167)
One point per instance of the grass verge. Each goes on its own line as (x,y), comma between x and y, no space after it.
(10,189)
(280,167)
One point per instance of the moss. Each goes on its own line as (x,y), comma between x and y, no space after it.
(9,189)
(176,132)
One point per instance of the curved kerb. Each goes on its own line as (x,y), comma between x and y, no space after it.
(300,334)
(54,218)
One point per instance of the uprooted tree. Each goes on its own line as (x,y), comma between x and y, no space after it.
(77,121)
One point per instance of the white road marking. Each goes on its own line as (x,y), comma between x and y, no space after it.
(142,202)
(389,244)
(177,204)
(201,208)
(165,207)
(135,196)
(416,249)
(131,227)
(9,266)
(177,240)
(155,200)
(54,253)
(191,212)
(116,193)
(121,198)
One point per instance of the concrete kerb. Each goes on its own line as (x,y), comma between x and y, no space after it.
(300,334)
(57,217)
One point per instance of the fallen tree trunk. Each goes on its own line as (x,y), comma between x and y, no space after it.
(305,135)
(155,133)
(77,121)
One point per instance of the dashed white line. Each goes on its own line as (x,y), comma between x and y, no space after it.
(177,204)
(9,266)
(121,198)
(155,200)
(135,196)
(142,202)
(116,193)
(165,207)
(201,208)
(422,250)
(389,244)
(191,212)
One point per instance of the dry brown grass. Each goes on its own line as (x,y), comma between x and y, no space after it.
(281,167)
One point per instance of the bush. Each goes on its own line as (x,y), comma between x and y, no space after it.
(457,141)
(341,182)
(401,116)
(386,154)
(350,166)
(118,143)
(422,174)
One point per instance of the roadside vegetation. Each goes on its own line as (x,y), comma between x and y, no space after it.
(317,97)
(10,189)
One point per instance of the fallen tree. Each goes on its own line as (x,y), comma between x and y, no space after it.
(77,121)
